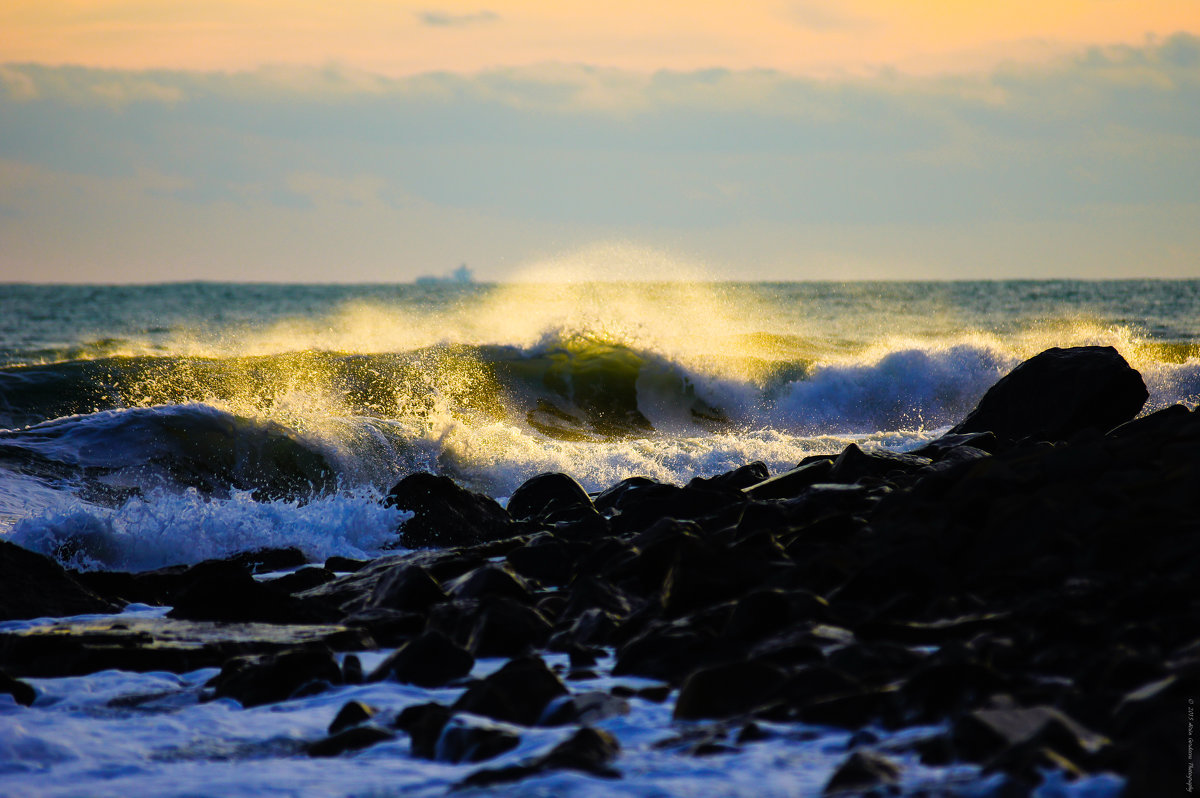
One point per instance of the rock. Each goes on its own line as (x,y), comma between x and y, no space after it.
(1059,393)
(429,660)
(261,561)
(352,739)
(22,693)
(222,590)
(587,750)
(725,691)
(585,708)
(407,587)
(445,514)
(344,564)
(304,579)
(737,479)
(986,733)
(517,693)
(861,771)
(74,648)
(507,628)
(33,586)
(853,464)
(424,724)
(352,713)
(490,581)
(254,681)
(463,740)
(546,494)
(546,559)
(790,484)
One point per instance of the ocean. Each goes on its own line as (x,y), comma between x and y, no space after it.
(144,426)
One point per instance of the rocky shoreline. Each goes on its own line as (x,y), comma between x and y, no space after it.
(1026,585)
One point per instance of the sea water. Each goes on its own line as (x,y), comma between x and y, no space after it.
(142,426)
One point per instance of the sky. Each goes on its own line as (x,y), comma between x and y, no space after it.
(370,140)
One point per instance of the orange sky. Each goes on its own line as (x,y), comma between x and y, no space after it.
(397,38)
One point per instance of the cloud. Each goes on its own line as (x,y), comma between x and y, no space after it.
(689,155)
(444,19)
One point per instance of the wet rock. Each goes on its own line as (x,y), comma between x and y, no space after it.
(33,586)
(352,669)
(429,660)
(986,733)
(490,581)
(1058,393)
(545,494)
(424,724)
(445,514)
(517,693)
(408,588)
(73,648)
(225,591)
(861,771)
(724,691)
(352,713)
(667,654)
(791,483)
(261,561)
(351,739)
(735,480)
(506,628)
(304,579)
(853,464)
(587,750)
(463,740)
(22,693)
(254,681)
(387,627)
(546,559)
(345,565)
(585,708)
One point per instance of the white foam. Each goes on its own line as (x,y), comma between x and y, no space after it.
(168,528)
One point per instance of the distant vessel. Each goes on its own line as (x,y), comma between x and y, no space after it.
(460,276)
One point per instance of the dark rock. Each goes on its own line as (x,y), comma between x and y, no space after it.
(352,713)
(853,464)
(253,681)
(506,628)
(463,740)
(585,708)
(985,733)
(33,586)
(544,494)
(387,627)
(517,693)
(723,691)
(74,648)
(352,669)
(261,561)
(344,564)
(445,514)
(667,654)
(22,693)
(352,739)
(862,770)
(407,587)
(587,750)
(424,724)
(221,590)
(304,579)
(1058,393)
(737,479)
(430,660)
(490,581)
(792,483)
(546,559)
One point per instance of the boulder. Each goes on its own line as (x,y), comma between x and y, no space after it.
(33,586)
(254,681)
(430,660)
(517,693)
(546,494)
(1059,393)
(445,514)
